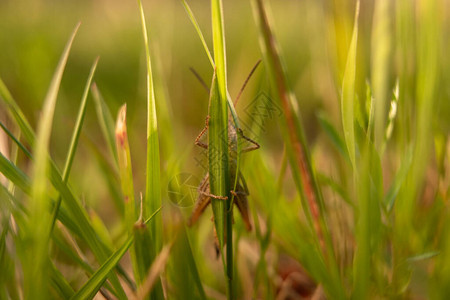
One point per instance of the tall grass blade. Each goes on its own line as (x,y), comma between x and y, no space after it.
(368,221)
(125,169)
(427,84)
(152,188)
(427,80)
(218,154)
(183,268)
(74,216)
(139,257)
(218,143)
(348,93)
(380,58)
(299,157)
(71,213)
(199,32)
(75,138)
(35,262)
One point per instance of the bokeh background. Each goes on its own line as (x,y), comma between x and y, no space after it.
(33,34)
(313,35)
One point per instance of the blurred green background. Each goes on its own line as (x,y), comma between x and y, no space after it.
(33,34)
(314,37)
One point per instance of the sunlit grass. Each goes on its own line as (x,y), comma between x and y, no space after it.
(348,193)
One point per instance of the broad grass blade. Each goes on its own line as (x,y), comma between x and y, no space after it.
(152,200)
(348,93)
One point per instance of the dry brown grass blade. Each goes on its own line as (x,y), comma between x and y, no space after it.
(156,268)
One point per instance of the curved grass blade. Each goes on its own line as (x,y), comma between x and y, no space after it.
(36,252)
(199,32)
(16,113)
(348,93)
(91,287)
(75,138)
(74,217)
(105,119)
(334,136)
(14,174)
(208,53)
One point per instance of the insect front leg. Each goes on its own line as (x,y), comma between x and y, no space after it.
(197,140)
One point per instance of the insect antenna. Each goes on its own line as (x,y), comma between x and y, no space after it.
(200,79)
(246,81)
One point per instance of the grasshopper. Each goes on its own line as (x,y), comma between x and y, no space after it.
(240,192)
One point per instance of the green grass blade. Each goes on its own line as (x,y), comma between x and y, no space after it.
(428,88)
(105,119)
(219,47)
(91,287)
(333,135)
(399,180)
(429,31)
(381,47)
(348,93)
(14,174)
(8,282)
(183,262)
(109,174)
(36,253)
(208,52)
(76,218)
(75,137)
(298,152)
(139,256)
(218,134)
(219,172)
(216,154)
(125,168)
(199,32)
(152,200)
(69,247)
(16,113)
(368,224)
(59,283)
(85,228)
